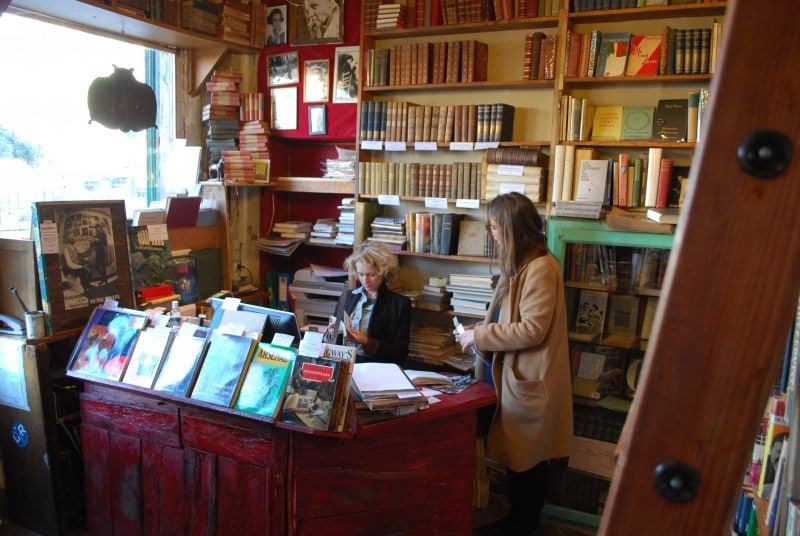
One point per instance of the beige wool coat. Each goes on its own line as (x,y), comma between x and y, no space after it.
(532,421)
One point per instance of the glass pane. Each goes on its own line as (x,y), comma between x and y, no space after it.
(49,149)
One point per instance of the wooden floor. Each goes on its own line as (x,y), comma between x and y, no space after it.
(497,508)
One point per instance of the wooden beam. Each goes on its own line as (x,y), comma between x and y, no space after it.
(730,293)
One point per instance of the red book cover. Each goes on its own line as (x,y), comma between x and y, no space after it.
(664,181)
(182,211)
(644,55)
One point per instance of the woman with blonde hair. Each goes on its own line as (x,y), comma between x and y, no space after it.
(380,319)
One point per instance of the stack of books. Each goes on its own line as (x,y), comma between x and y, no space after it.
(434,298)
(432,345)
(221,114)
(324,231)
(471,293)
(347,222)
(385,387)
(296,229)
(389,230)
(391,16)
(238,166)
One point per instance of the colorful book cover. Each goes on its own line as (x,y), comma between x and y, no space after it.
(181,360)
(150,349)
(637,123)
(612,55)
(222,368)
(644,55)
(607,123)
(265,380)
(311,393)
(106,343)
(149,258)
(183,278)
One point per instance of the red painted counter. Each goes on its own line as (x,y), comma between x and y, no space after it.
(171,466)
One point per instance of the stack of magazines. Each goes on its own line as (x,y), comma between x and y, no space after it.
(278,245)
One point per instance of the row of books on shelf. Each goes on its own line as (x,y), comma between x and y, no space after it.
(434,233)
(671,120)
(648,180)
(673,51)
(439,62)
(581,6)
(405,122)
(243,23)
(539,56)
(459,180)
(770,485)
(616,268)
(418,13)
(615,320)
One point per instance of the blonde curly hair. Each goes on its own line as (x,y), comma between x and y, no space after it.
(375,253)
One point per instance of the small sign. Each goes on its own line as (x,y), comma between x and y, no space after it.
(392,200)
(436,202)
(462,146)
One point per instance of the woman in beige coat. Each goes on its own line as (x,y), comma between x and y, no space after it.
(525,334)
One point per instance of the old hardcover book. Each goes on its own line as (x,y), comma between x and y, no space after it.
(222,368)
(148,258)
(179,365)
(182,211)
(612,54)
(644,55)
(637,123)
(671,120)
(449,235)
(265,380)
(607,124)
(592,181)
(183,277)
(471,238)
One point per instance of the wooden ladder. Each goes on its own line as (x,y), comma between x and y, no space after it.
(730,293)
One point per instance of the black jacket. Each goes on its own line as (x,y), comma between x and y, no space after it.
(389,326)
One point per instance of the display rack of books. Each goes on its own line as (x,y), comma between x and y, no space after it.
(612,283)
(453,111)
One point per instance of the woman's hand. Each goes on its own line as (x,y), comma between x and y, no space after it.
(465,339)
(356,336)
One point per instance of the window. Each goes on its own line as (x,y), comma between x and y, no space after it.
(49,151)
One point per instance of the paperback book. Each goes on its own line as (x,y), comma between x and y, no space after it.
(222,369)
(265,380)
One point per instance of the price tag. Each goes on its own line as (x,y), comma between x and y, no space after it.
(462,146)
(372,145)
(468,203)
(393,200)
(425,146)
(436,202)
(396,146)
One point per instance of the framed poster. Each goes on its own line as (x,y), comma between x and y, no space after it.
(276,24)
(316,80)
(284,108)
(282,69)
(316,120)
(315,22)
(345,77)
(82,256)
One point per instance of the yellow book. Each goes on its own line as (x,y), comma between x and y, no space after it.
(607,123)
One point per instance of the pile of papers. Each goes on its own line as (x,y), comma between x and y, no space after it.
(385,387)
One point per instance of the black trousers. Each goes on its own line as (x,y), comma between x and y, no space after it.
(528,492)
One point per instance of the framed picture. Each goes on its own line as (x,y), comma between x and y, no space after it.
(283,69)
(82,256)
(276,25)
(106,344)
(315,22)
(316,80)
(284,108)
(316,119)
(345,78)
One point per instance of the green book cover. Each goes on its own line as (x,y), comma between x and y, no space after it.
(265,380)
(637,122)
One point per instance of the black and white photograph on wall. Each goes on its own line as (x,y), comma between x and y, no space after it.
(276,25)
(315,22)
(283,69)
(284,108)
(316,120)
(316,80)
(346,75)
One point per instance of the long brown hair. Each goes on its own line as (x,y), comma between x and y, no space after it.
(522,233)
